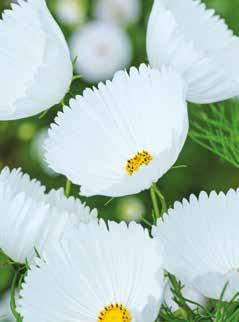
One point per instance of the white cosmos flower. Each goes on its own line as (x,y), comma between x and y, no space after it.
(198,44)
(71,12)
(31,219)
(188,293)
(96,275)
(200,242)
(101,49)
(35,64)
(121,137)
(119,11)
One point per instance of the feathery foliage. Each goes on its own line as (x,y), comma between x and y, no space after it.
(216,128)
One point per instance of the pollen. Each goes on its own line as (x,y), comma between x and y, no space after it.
(141,158)
(114,313)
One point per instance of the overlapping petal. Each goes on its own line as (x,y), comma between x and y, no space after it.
(36,69)
(198,44)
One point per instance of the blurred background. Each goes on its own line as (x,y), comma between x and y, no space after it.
(105,36)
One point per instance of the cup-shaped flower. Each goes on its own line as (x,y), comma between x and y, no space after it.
(121,137)
(198,44)
(31,220)
(36,69)
(100,49)
(96,274)
(200,243)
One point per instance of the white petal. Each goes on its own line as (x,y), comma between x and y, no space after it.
(92,268)
(31,219)
(35,64)
(93,139)
(200,241)
(198,44)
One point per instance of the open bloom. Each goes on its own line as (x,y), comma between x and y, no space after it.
(198,44)
(95,274)
(30,219)
(118,11)
(121,137)
(200,243)
(100,49)
(35,64)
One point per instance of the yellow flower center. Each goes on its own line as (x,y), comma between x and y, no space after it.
(141,158)
(114,313)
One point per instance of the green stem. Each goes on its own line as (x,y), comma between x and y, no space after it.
(154,201)
(68,188)
(75,77)
(161,198)
(12,294)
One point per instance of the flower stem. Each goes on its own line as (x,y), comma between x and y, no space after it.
(154,201)
(161,198)
(12,294)
(155,195)
(76,77)
(68,188)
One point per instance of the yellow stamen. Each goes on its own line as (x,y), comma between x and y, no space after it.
(141,158)
(114,313)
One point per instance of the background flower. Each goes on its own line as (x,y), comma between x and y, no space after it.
(37,151)
(130,209)
(100,49)
(119,11)
(71,12)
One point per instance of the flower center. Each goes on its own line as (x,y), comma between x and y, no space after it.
(141,158)
(114,313)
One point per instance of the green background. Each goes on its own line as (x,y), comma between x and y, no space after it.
(203,170)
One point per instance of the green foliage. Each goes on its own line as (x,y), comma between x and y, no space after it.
(217,311)
(216,128)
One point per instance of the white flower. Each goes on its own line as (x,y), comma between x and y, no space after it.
(101,49)
(70,12)
(121,137)
(35,64)
(30,219)
(198,44)
(96,275)
(200,242)
(188,293)
(119,11)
